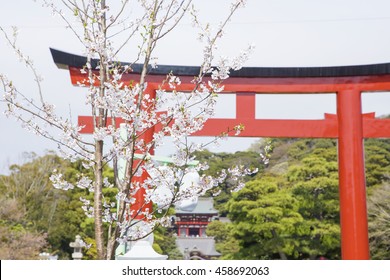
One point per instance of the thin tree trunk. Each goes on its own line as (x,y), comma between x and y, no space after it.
(98,197)
(111,248)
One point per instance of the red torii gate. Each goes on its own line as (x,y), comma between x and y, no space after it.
(349,125)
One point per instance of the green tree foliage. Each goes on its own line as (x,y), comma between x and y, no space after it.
(219,161)
(55,214)
(18,239)
(225,242)
(379,223)
(28,187)
(314,184)
(292,214)
(265,220)
(377,162)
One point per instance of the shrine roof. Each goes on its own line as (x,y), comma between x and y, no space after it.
(206,245)
(205,205)
(65,60)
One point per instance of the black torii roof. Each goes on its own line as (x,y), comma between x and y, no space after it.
(65,60)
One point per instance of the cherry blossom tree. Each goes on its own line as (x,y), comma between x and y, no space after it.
(129,149)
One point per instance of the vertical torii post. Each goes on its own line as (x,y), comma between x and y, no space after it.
(139,207)
(353,216)
(349,126)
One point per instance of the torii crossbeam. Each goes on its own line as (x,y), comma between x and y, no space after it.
(349,125)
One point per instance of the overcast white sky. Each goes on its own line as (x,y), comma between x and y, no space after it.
(285,32)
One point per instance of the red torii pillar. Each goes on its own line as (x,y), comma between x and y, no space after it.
(349,126)
(352,182)
(140,206)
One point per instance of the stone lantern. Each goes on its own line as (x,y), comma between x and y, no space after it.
(77,245)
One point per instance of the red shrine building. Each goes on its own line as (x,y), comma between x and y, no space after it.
(191,226)
(194,223)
